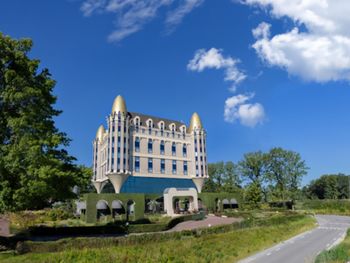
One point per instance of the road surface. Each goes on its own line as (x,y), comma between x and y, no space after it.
(305,247)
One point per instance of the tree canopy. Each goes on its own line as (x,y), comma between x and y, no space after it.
(35,167)
(276,175)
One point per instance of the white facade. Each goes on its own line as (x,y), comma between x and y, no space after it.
(135,144)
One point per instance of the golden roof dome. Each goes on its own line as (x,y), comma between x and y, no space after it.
(195,122)
(100,132)
(119,105)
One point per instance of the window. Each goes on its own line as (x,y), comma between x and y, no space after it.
(185,168)
(150,146)
(162,148)
(173,149)
(137,144)
(150,165)
(150,125)
(162,166)
(174,166)
(162,129)
(184,150)
(137,164)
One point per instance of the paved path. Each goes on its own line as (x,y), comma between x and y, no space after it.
(306,246)
(209,221)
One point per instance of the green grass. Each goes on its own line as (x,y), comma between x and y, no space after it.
(338,254)
(214,245)
(325,207)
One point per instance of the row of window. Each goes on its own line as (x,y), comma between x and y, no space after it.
(161,147)
(162,166)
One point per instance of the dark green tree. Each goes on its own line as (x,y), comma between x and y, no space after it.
(253,166)
(253,194)
(285,170)
(35,168)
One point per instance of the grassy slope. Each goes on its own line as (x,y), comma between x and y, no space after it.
(225,247)
(340,253)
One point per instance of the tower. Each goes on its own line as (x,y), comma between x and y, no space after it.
(199,151)
(118,144)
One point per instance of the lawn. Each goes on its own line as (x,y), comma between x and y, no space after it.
(214,246)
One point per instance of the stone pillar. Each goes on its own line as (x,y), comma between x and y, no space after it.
(99,185)
(199,183)
(117,181)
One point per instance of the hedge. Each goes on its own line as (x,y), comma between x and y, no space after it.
(85,243)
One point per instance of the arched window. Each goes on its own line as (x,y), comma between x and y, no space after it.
(184,150)
(150,126)
(161,127)
(150,146)
(137,123)
(173,128)
(173,148)
(137,144)
(162,147)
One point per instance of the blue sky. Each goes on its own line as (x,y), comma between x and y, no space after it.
(288,82)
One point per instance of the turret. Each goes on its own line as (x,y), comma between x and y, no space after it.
(199,151)
(118,144)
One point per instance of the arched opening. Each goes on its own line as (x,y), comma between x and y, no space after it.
(176,205)
(152,205)
(117,209)
(226,204)
(160,201)
(234,203)
(81,208)
(103,209)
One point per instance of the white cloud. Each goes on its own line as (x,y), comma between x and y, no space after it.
(317,48)
(176,16)
(248,114)
(132,15)
(213,59)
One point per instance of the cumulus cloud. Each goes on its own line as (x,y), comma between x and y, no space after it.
(214,59)
(132,15)
(317,48)
(238,108)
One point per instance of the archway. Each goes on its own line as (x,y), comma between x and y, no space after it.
(172,200)
(234,203)
(226,204)
(117,209)
(102,209)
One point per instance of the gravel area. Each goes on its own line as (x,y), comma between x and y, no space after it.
(209,221)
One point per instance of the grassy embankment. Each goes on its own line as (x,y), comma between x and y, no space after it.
(326,207)
(339,254)
(217,244)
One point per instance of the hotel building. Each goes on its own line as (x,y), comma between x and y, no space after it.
(139,153)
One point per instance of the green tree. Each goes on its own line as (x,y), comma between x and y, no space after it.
(252,167)
(253,194)
(285,170)
(35,168)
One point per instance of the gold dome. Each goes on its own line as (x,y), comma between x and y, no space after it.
(195,122)
(119,105)
(100,132)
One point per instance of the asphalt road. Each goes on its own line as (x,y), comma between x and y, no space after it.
(306,246)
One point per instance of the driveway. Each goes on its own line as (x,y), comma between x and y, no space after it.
(305,247)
